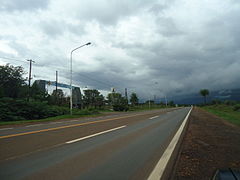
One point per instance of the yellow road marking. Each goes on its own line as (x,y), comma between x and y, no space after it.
(62,127)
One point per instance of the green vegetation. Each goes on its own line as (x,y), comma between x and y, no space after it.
(226,110)
(134,99)
(22,103)
(204,93)
(78,114)
(118,102)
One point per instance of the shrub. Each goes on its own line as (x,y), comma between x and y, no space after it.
(19,109)
(236,107)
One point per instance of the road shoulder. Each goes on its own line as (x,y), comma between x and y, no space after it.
(209,144)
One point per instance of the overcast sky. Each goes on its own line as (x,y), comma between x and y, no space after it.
(148,46)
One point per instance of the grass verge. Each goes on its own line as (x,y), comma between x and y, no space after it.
(226,112)
(66,116)
(81,113)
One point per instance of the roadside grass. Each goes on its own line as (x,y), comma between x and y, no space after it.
(84,113)
(226,112)
(76,114)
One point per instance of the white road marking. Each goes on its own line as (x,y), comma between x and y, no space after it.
(154,117)
(56,122)
(86,137)
(73,120)
(34,125)
(5,129)
(162,163)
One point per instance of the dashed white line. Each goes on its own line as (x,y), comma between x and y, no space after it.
(73,120)
(34,125)
(154,117)
(5,129)
(86,137)
(56,122)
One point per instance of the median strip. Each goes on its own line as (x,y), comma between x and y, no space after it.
(86,137)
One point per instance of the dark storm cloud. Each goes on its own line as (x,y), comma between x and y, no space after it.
(23,5)
(110,12)
(151,47)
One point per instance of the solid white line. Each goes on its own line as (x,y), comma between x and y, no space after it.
(154,117)
(5,129)
(34,125)
(86,137)
(162,163)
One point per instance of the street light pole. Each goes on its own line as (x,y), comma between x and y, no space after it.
(71,99)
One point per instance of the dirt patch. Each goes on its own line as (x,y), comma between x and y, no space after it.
(209,144)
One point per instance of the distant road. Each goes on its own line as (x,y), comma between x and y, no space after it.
(126,146)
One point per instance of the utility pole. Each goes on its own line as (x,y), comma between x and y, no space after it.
(149,103)
(56,80)
(166,101)
(30,77)
(56,93)
(126,95)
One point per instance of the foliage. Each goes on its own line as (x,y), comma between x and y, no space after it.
(227,112)
(171,103)
(236,107)
(216,101)
(149,101)
(17,109)
(118,102)
(230,102)
(37,94)
(204,93)
(11,81)
(58,98)
(93,98)
(134,99)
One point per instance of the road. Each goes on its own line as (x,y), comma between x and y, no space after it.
(125,146)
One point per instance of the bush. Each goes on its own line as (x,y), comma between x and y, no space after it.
(230,102)
(14,110)
(120,107)
(236,107)
(85,111)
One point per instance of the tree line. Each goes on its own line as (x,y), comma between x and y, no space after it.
(18,100)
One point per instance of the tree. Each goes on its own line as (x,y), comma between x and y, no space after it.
(100,101)
(134,99)
(204,93)
(113,97)
(58,98)
(37,93)
(118,102)
(11,81)
(171,103)
(92,97)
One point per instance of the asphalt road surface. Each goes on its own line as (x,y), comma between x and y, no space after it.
(122,146)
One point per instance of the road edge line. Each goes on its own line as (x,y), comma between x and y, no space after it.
(160,167)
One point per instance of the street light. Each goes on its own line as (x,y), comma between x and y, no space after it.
(71,103)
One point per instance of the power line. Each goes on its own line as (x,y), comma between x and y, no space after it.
(104,84)
(13,59)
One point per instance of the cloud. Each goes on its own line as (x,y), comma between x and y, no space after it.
(151,47)
(23,5)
